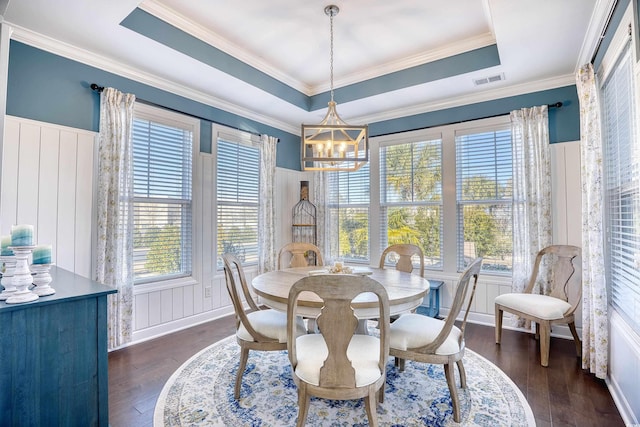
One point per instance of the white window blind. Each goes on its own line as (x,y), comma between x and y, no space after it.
(484,195)
(349,214)
(622,190)
(411,197)
(162,162)
(238,188)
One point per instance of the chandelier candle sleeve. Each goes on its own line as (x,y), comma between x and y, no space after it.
(42,254)
(22,235)
(6,242)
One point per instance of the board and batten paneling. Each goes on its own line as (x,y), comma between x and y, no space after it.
(47,181)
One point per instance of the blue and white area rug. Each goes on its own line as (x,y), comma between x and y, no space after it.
(200,393)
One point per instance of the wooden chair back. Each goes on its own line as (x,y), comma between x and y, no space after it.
(238,290)
(561,267)
(337,323)
(298,252)
(463,298)
(405,253)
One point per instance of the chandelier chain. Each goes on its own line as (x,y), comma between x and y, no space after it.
(331,53)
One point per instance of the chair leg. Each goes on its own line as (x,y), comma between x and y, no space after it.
(463,374)
(499,313)
(576,338)
(244,355)
(303,404)
(381,393)
(400,364)
(449,373)
(545,341)
(370,403)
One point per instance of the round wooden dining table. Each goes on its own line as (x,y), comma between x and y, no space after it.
(406,291)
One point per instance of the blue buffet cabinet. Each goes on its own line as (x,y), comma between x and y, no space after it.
(53,356)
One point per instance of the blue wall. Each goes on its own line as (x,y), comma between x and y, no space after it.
(49,88)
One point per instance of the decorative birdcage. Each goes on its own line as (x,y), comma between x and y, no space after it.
(304,220)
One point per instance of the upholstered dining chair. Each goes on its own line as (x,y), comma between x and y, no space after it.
(298,251)
(429,340)
(256,328)
(564,276)
(336,363)
(405,252)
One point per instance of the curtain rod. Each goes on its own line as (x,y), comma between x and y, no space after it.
(97,88)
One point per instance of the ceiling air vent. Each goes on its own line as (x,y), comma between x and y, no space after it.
(488,79)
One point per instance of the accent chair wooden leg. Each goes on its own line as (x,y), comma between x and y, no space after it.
(244,355)
(576,338)
(400,364)
(463,374)
(370,403)
(303,404)
(499,314)
(381,393)
(449,373)
(545,341)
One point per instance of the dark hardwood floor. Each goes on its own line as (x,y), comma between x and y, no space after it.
(560,395)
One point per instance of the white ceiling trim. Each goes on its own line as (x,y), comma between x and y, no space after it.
(179,21)
(520,89)
(597,25)
(110,65)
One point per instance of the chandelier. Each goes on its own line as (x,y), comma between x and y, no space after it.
(333,145)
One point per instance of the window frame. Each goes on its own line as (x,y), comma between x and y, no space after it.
(407,140)
(172,118)
(243,138)
(449,268)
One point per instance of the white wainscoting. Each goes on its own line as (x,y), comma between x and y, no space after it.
(624,368)
(47,181)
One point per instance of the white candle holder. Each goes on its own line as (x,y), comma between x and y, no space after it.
(9,262)
(22,278)
(41,279)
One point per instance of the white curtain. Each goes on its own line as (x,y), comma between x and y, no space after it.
(115,190)
(532,221)
(320,199)
(595,332)
(266,212)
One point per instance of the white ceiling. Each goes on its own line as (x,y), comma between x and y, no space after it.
(540,43)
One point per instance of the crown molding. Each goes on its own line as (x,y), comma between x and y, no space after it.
(491,95)
(110,65)
(432,55)
(595,30)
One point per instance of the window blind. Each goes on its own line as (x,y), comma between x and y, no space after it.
(484,193)
(237,189)
(162,206)
(411,197)
(622,190)
(349,214)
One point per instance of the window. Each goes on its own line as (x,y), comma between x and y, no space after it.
(162,205)
(349,214)
(237,195)
(411,197)
(484,196)
(622,189)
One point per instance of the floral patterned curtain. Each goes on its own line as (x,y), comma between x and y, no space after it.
(532,221)
(266,214)
(322,213)
(595,328)
(115,211)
